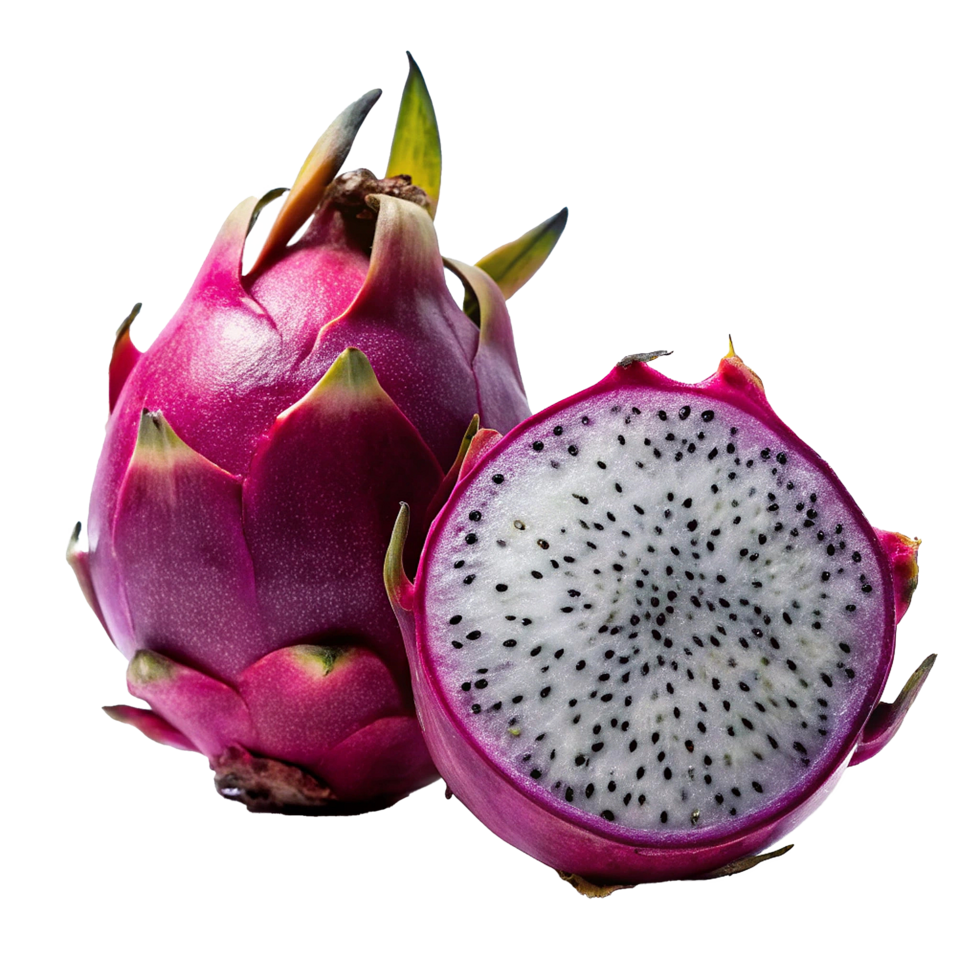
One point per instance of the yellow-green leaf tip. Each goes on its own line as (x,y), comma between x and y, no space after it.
(511,265)
(415,147)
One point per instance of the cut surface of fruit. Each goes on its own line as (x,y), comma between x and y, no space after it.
(656,612)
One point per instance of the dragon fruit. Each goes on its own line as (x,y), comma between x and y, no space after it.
(254,460)
(650,629)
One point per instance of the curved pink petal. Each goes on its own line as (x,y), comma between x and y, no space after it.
(209,714)
(151,725)
(902,553)
(479,446)
(498,376)
(386,758)
(179,546)
(305,699)
(404,316)
(79,562)
(124,357)
(317,523)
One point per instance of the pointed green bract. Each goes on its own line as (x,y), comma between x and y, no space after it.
(148,667)
(123,328)
(350,373)
(397,582)
(267,198)
(415,147)
(78,559)
(452,475)
(156,437)
(320,167)
(320,660)
(124,357)
(887,716)
(511,265)
(747,863)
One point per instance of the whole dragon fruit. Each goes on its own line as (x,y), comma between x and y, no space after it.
(254,460)
(650,629)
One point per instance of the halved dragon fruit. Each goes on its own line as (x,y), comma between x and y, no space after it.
(651,628)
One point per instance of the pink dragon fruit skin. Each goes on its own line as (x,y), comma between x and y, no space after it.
(596,856)
(254,459)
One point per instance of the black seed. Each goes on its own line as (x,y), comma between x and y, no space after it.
(474,635)
(569,794)
(471,538)
(536,575)
(498,478)
(537,446)
(608,815)
(748,724)
(475,708)
(573,450)
(535,773)
(481,684)
(501,587)
(667,773)
(545,691)
(597,746)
